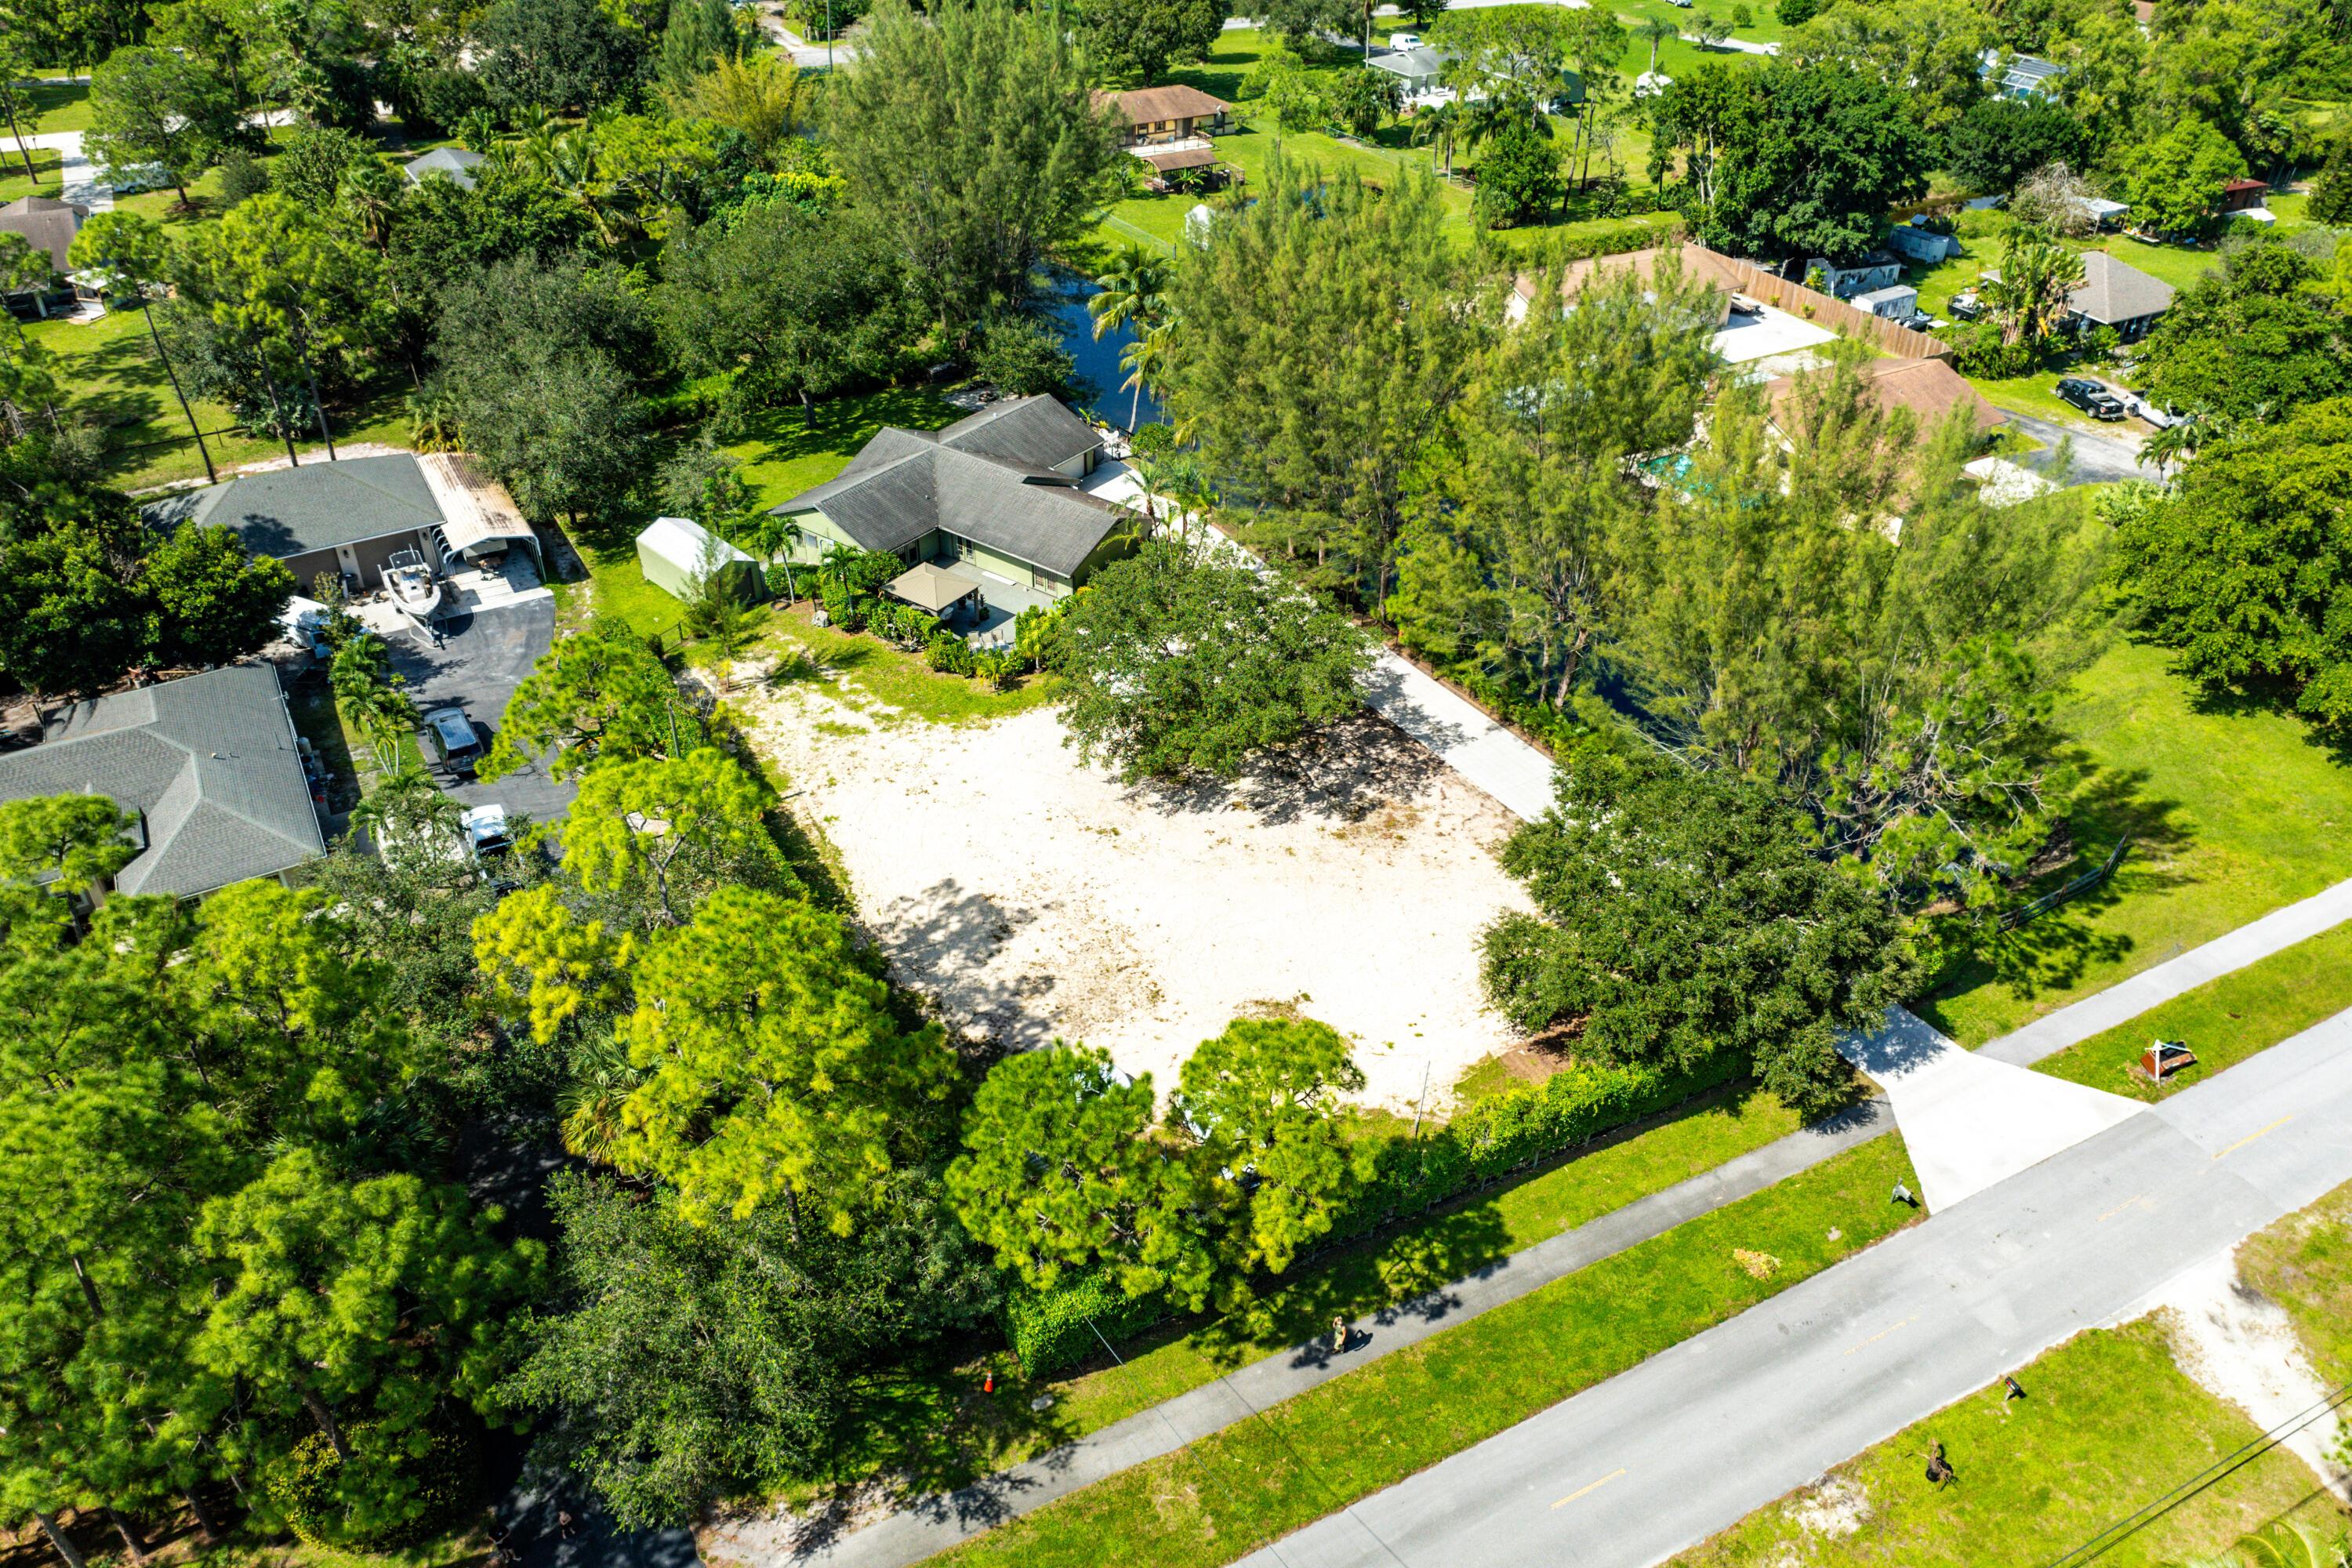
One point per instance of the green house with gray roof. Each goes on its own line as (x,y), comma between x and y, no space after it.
(997,496)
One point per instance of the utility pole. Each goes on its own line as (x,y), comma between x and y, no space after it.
(210,477)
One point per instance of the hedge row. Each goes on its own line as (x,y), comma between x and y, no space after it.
(1486,1139)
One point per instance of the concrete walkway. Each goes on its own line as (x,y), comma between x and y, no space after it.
(1462,735)
(1970,1121)
(938,1523)
(2127,999)
(1973,1118)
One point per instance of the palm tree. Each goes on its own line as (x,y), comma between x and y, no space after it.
(1146,362)
(777,536)
(369,195)
(590,1105)
(2038,276)
(433,418)
(1133,292)
(573,169)
(409,809)
(1438,123)
(1653,32)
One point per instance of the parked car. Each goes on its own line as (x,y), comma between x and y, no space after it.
(2090,397)
(486,831)
(453,740)
(2156,413)
(1404,40)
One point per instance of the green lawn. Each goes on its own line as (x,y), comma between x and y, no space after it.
(109,374)
(13,183)
(899,679)
(781,456)
(2304,1262)
(1212,1501)
(1380,159)
(2234,809)
(59,106)
(2108,1424)
(2223,1021)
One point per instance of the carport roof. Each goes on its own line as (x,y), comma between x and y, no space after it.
(285,512)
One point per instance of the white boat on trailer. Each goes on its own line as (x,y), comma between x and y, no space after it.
(412,586)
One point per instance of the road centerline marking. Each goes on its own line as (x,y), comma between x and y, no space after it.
(1593,1488)
(2252,1136)
(1884,1333)
(2141,1201)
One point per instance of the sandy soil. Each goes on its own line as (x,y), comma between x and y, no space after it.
(2239,1345)
(1036,898)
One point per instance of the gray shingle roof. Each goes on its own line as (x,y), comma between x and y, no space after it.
(208,761)
(988,478)
(1422,62)
(1037,431)
(455,163)
(46,224)
(2115,291)
(291,512)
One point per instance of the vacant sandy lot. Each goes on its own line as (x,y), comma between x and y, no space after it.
(1037,899)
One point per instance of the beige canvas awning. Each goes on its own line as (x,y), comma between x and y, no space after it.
(930,587)
(476,510)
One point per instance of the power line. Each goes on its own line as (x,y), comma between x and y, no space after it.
(2115,1534)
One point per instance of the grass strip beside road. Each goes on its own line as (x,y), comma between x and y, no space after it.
(2107,1423)
(2223,1021)
(1218,1499)
(1445,1246)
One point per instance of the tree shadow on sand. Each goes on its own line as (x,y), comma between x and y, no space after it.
(1343,771)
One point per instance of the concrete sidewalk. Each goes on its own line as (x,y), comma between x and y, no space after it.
(1641,1466)
(936,1523)
(2127,999)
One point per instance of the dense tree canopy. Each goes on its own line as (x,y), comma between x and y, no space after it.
(1683,914)
(692,1361)
(2250,341)
(973,135)
(1141,38)
(2245,570)
(1323,340)
(1796,161)
(1179,666)
(1758,607)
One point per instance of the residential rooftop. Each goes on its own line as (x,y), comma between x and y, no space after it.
(207,762)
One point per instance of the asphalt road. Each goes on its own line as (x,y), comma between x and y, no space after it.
(2096,459)
(1630,1472)
(483,657)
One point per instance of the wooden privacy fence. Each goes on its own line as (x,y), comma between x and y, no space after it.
(1835,314)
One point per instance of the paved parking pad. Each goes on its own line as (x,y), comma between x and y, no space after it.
(483,657)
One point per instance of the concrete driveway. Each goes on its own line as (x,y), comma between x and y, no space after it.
(2094,459)
(483,657)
